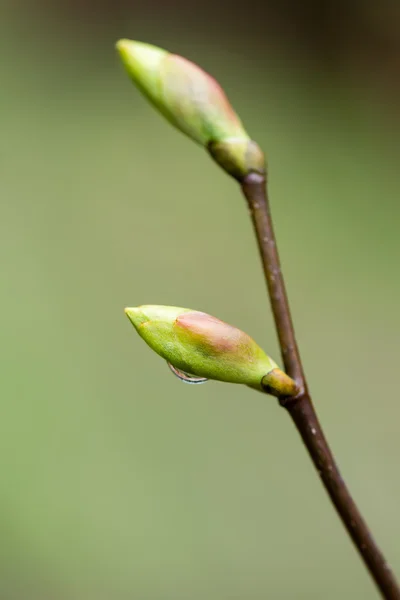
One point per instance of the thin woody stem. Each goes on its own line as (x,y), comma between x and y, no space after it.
(300,407)
(254,189)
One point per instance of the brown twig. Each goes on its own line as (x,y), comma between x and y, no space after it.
(300,407)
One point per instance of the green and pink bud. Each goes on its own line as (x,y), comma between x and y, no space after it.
(197,343)
(194,102)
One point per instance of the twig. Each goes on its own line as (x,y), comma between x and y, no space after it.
(300,407)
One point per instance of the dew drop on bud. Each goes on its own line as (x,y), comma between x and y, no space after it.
(186,377)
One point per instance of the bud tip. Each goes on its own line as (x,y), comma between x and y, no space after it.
(140,59)
(136,316)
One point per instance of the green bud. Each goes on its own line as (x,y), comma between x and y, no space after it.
(204,346)
(194,102)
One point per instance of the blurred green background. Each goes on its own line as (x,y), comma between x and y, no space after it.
(117,480)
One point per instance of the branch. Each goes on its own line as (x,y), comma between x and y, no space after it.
(300,407)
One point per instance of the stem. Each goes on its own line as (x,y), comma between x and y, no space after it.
(254,189)
(300,407)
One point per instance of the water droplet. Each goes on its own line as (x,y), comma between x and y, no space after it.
(186,377)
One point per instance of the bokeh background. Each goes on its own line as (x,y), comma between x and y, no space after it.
(117,480)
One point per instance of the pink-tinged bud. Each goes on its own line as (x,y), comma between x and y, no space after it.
(194,102)
(197,343)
